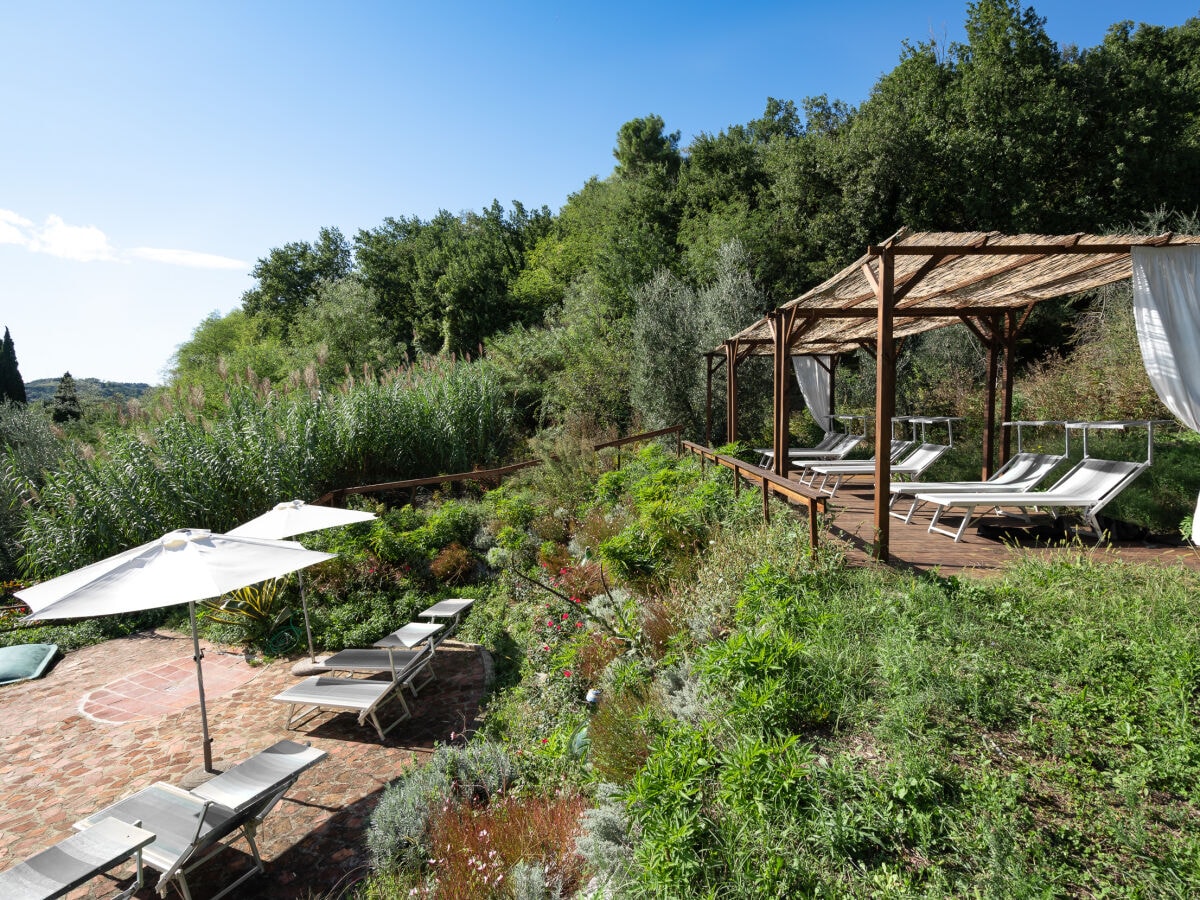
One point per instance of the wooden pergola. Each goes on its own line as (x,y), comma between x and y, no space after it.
(916,282)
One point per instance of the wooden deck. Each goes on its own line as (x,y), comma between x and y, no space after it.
(979,553)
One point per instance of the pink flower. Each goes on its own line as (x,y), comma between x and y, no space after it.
(578,624)
(566,616)
(546,647)
(566,673)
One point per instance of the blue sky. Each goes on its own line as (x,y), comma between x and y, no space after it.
(153,151)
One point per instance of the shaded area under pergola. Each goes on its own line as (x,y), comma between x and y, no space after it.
(915,282)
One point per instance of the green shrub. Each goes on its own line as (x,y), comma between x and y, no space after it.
(188,470)
(398,833)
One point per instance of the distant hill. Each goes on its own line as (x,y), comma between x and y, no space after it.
(85,388)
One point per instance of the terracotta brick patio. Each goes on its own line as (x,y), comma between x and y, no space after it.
(111,719)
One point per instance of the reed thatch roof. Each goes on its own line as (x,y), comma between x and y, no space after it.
(942,278)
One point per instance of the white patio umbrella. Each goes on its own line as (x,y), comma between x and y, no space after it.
(297,517)
(181,567)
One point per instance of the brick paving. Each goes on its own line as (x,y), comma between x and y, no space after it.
(95,729)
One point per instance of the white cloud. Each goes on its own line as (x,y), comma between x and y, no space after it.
(14,229)
(82,243)
(189,258)
(87,243)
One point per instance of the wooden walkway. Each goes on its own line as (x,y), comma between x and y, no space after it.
(979,553)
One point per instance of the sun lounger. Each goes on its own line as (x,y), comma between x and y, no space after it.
(1090,485)
(912,466)
(837,448)
(808,475)
(831,438)
(77,860)
(189,826)
(1023,472)
(413,635)
(374,660)
(452,610)
(365,696)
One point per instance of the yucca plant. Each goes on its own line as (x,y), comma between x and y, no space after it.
(256,610)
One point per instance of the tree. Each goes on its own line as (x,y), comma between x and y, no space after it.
(642,147)
(344,330)
(288,278)
(65,405)
(12,386)
(447,284)
(674,325)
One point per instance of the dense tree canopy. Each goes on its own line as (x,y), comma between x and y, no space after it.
(1004,131)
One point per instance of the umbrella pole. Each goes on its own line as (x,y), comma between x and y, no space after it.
(312,654)
(208,763)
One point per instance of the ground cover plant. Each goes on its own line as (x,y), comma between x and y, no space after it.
(769,725)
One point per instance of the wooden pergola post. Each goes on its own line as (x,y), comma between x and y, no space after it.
(833,364)
(731,404)
(885,397)
(989,398)
(708,398)
(1010,349)
(780,436)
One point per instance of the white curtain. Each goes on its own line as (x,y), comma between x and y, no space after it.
(813,374)
(1166,308)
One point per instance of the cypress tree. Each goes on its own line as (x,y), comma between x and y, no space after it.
(12,386)
(65,405)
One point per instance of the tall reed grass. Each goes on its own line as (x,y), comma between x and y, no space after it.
(181,468)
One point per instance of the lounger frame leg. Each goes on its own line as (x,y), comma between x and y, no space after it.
(371,714)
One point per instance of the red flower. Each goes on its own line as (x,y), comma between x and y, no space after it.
(565,616)
(566,673)
(578,624)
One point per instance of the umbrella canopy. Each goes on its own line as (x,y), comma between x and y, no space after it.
(296,517)
(181,567)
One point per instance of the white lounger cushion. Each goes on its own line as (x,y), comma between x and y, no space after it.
(1089,486)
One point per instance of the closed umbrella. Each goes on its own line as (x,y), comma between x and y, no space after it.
(296,517)
(181,567)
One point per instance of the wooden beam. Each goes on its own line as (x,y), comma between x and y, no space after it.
(915,278)
(909,312)
(872,281)
(972,280)
(980,328)
(1072,249)
(885,401)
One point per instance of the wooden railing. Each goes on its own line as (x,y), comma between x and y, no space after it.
(769,483)
(676,430)
(337,497)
